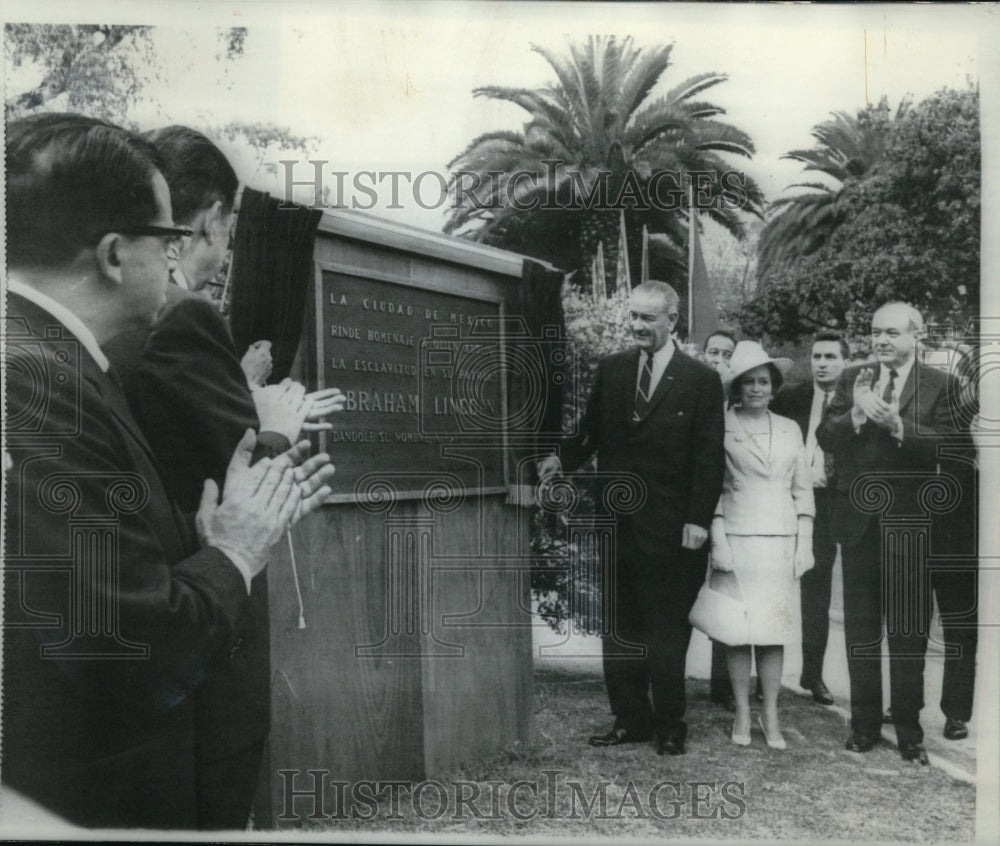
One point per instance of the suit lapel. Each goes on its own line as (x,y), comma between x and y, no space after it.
(743,439)
(906,394)
(172,530)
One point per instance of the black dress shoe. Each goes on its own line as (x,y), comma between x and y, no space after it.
(860,742)
(821,693)
(913,752)
(670,744)
(955,729)
(616,737)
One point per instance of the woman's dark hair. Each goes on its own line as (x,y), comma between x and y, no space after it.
(776,381)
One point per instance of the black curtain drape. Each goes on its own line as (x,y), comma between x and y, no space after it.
(272,275)
(540,305)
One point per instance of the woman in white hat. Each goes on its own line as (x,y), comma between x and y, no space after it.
(762,530)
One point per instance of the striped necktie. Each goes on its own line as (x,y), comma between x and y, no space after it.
(642,393)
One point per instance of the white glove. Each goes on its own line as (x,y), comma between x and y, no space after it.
(803,561)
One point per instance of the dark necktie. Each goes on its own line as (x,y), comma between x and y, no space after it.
(889,386)
(642,392)
(827,455)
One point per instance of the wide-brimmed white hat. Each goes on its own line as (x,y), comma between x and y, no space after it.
(747,356)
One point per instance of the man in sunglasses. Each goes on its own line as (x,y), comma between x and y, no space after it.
(116,609)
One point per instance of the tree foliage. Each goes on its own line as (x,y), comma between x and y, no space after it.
(598,130)
(910,231)
(106,71)
(565,576)
(849,148)
(98,70)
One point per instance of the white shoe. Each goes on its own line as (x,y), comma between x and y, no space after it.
(772,742)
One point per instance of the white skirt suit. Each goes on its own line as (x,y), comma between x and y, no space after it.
(762,498)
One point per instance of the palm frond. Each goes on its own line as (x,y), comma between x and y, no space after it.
(645,71)
(695,85)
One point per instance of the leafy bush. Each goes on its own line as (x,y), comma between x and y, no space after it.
(566,584)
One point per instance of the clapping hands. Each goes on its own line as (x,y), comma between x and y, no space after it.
(282,408)
(257,506)
(261,502)
(322,403)
(256,363)
(286,408)
(871,405)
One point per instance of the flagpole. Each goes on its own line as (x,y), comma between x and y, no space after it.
(691,237)
(601,286)
(623,258)
(645,255)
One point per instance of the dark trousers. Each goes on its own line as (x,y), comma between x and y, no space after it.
(956,591)
(647,635)
(720,686)
(226,789)
(815,591)
(893,587)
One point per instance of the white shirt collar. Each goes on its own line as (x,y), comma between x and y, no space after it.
(73,323)
(661,358)
(180,279)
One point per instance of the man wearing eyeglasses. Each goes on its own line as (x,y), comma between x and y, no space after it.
(187,389)
(115,608)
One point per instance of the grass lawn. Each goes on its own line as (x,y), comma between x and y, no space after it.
(813,791)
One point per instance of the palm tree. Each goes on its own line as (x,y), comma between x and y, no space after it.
(850,148)
(596,136)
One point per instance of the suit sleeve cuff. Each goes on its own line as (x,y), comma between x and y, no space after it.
(240,562)
(270,444)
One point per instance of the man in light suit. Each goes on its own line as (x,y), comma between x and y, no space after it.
(114,610)
(806,404)
(883,427)
(655,415)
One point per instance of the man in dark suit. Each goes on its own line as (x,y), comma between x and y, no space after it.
(188,391)
(114,610)
(806,404)
(884,427)
(956,583)
(654,416)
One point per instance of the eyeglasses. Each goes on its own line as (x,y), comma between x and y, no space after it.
(175,237)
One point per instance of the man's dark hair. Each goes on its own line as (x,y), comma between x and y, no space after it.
(196,171)
(829,335)
(71,180)
(777,380)
(719,333)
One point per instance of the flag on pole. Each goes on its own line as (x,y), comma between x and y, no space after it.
(645,254)
(595,288)
(703,314)
(623,277)
(600,286)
